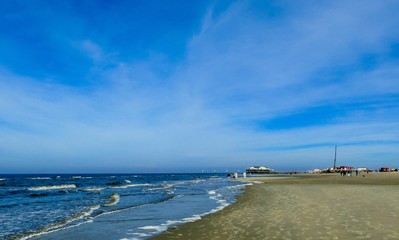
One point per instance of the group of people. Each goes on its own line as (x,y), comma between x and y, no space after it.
(349,173)
(235,175)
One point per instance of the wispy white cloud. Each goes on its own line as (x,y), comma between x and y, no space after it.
(92,49)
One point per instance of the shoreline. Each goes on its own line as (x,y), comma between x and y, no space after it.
(304,206)
(179,201)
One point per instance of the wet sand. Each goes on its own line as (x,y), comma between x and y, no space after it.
(305,207)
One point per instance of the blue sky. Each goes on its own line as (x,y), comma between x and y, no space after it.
(186,86)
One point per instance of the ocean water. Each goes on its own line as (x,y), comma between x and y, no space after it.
(104,206)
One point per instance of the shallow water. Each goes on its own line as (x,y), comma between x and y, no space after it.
(128,206)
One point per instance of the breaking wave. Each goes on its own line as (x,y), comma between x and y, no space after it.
(132,185)
(64,225)
(114,200)
(93,189)
(78,177)
(40,178)
(42,188)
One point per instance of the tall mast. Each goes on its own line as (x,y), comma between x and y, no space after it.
(335,158)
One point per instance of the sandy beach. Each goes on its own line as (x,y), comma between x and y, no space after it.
(305,207)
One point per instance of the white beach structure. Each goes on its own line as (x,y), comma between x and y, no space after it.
(362,169)
(315,171)
(259,170)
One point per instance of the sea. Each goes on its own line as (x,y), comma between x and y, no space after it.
(108,206)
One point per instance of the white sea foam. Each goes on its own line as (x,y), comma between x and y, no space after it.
(192,219)
(173,222)
(257,182)
(219,198)
(213,178)
(132,185)
(91,210)
(78,177)
(134,238)
(2,179)
(215,195)
(93,189)
(162,227)
(211,192)
(166,186)
(114,211)
(241,185)
(128,181)
(40,178)
(223,204)
(154,228)
(195,217)
(197,181)
(140,234)
(41,188)
(114,200)
(59,227)
(147,231)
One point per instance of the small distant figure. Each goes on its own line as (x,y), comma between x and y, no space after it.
(357,172)
(235,175)
(244,174)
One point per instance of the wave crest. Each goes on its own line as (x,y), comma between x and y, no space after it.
(132,185)
(93,189)
(114,200)
(39,178)
(41,188)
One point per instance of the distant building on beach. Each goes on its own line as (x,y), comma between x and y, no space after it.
(315,171)
(386,169)
(345,168)
(259,170)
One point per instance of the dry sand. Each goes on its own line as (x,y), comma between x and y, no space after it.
(305,207)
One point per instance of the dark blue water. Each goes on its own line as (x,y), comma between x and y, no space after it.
(124,206)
